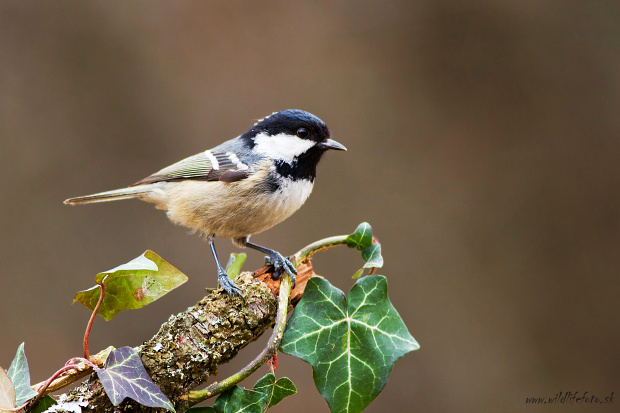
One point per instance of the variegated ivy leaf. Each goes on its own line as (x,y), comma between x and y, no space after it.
(364,242)
(267,393)
(20,376)
(274,390)
(132,285)
(361,238)
(124,376)
(350,342)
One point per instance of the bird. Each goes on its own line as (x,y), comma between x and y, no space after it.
(241,187)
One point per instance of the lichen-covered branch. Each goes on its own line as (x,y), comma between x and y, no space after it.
(190,345)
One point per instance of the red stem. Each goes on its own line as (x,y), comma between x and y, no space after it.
(55,375)
(82,360)
(92,320)
(49,381)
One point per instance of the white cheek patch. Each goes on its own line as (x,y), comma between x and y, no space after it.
(282,146)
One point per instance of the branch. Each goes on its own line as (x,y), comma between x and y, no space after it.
(191,345)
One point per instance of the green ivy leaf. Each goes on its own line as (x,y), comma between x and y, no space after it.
(372,256)
(20,376)
(125,376)
(239,399)
(132,285)
(361,238)
(7,391)
(235,262)
(267,392)
(351,344)
(358,273)
(275,390)
(45,403)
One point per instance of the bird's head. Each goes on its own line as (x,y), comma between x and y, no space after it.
(292,136)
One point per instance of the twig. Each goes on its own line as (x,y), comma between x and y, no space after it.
(311,249)
(71,376)
(272,347)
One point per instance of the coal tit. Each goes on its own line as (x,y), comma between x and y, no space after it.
(241,187)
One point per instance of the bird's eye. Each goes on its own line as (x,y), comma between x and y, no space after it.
(302,132)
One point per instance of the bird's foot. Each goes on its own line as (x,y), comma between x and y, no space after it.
(280,264)
(227,284)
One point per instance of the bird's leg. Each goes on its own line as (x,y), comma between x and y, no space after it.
(227,284)
(275,258)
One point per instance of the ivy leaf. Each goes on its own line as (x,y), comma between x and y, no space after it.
(235,262)
(361,238)
(132,285)
(45,403)
(372,256)
(267,392)
(20,376)
(275,390)
(137,264)
(125,376)
(358,273)
(7,391)
(238,399)
(351,343)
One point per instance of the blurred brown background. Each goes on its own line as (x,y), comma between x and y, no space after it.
(483,145)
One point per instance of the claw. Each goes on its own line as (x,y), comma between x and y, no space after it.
(228,285)
(280,263)
(276,259)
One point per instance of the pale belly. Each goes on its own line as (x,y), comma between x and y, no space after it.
(230,210)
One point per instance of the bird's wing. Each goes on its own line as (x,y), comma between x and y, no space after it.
(209,166)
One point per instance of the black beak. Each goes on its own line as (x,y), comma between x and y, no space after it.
(332,144)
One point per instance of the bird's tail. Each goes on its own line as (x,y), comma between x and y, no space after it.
(124,193)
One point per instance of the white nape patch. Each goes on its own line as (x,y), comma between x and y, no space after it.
(281,146)
(235,159)
(262,119)
(214,163)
